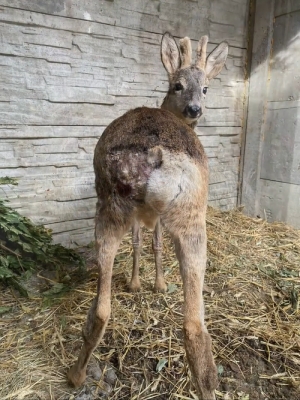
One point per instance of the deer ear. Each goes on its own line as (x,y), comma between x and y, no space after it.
(170,55)
(216,60)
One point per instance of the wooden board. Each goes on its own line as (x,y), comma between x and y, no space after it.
(271,177)
(280,202)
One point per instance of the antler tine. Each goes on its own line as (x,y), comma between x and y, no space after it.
(201,52)
(185,52)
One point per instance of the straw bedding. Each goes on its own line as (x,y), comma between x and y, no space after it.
(252,313)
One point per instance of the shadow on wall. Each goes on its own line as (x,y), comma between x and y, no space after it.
(274,121)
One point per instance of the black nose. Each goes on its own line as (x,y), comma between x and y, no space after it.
(194,111)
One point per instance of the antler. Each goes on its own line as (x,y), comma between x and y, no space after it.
(201,52)
(185,52)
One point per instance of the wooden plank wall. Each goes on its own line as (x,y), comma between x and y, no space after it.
(69,67)
(271,178)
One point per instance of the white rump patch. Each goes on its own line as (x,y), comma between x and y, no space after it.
(178,175)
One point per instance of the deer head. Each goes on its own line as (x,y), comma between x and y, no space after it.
(188,82)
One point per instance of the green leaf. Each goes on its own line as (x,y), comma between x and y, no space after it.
(63,322)
(26,247)
(15,282)
(13,238)
(220,369)
(6,180)
(161,364)
(4,309)
(294,298)
(12,218)
(5,272)
(172,288)
(243,396)
(4,263)
(56,288)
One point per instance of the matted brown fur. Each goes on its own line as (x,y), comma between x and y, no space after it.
(129,142)
(143,128)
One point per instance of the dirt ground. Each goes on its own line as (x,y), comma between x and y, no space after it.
(253,323)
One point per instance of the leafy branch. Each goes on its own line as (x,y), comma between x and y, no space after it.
(25,247)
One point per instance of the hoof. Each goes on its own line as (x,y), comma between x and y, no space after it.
(160,287)
(75,377)
(134,286)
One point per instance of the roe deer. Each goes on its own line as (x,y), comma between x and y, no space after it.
(151,166)
(188,84)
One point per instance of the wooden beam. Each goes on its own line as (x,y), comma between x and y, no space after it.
(258,87)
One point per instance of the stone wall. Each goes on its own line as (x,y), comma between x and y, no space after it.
(69,67)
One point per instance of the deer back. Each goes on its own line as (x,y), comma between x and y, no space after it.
(136,144)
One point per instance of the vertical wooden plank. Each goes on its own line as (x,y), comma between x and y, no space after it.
(286,6)
(262,42)
(280,201)
(247,72)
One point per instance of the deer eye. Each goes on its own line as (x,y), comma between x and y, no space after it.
(178,87)
(205,90)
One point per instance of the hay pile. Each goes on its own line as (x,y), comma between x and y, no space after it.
(252,313)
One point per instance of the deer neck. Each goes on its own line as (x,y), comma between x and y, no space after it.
(169,105)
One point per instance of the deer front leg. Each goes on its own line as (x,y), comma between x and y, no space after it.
(191,252)
(137,241)
(159,285)
(107,244)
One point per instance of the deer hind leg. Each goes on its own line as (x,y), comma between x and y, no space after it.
(159,285)
(108,237)
(177,191)
(191,252)
(185,220)
(188,230)
(137,240)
